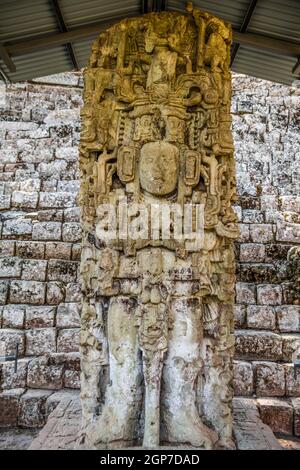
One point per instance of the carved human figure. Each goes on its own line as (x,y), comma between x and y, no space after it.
(157,320)
(162,71)
(216,50)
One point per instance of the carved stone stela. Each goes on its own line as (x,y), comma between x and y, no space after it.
(157,318)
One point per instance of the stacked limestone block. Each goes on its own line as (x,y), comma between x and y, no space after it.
(39,288)
(40,247)
(267,145)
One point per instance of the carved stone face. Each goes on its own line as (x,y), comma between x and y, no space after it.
(159,168)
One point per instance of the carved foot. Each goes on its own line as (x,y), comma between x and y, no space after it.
(109,430)
(226,444)
(188,428)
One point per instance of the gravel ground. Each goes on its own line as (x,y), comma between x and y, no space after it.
(289,443)
(16,438)
(20,439)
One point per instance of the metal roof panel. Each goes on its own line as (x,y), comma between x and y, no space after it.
(21,19)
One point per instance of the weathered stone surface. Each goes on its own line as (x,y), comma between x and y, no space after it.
(287,232)
(290,347)
(72,379)
(296,406)
(155,309)
(59,79)
(5,200)
(68,340)
(73,292)
(46,231)
(288,318)
(76,252)
(249,431)
(240,316)
(34,270)
(32,408)
(43,375)
(50,215)
(10,378)
(242,378)
(245,293)
(9,406)
(40,341)
(57,397)
(244,233)
(269,295)
(266,172)
(64,271)
(67,153)
(57,200)
(14,438)
(13,316)
(29,292)
(269,379)
(70,361)
(39,317)
(261,233)
(62,428)
(7,248)
(72,214)
(71,232)
(68,315)
(58,250)
(9,339)
(276,413)
(10,267)
(34,250)
(24,199)
(55,293)
(3,291)
(252,252)
(17,228)
(258,345)
(292,380)
(261,317)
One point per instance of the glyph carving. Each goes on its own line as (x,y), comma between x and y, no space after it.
(157,321)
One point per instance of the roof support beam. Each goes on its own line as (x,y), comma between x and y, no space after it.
(144,6)
(4,76)
(7,59)
(289,49)
(46,41)
(286,48)
(63,29)
(243,28)
(153,5)
(296,68)
(159,5)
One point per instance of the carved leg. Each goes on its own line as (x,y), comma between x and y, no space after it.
(152,371)
(181,420)
(116,425)
(93,357)
(218,389)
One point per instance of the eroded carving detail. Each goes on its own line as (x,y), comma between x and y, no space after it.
(157,322)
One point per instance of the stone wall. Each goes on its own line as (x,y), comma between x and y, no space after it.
(40,250)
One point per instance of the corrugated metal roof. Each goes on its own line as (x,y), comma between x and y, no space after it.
(229,10)
(277,18)
(23,19)
(39,64)
(82,50)
(79,12)
(264,65)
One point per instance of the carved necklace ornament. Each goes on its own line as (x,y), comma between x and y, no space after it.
(157,317)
